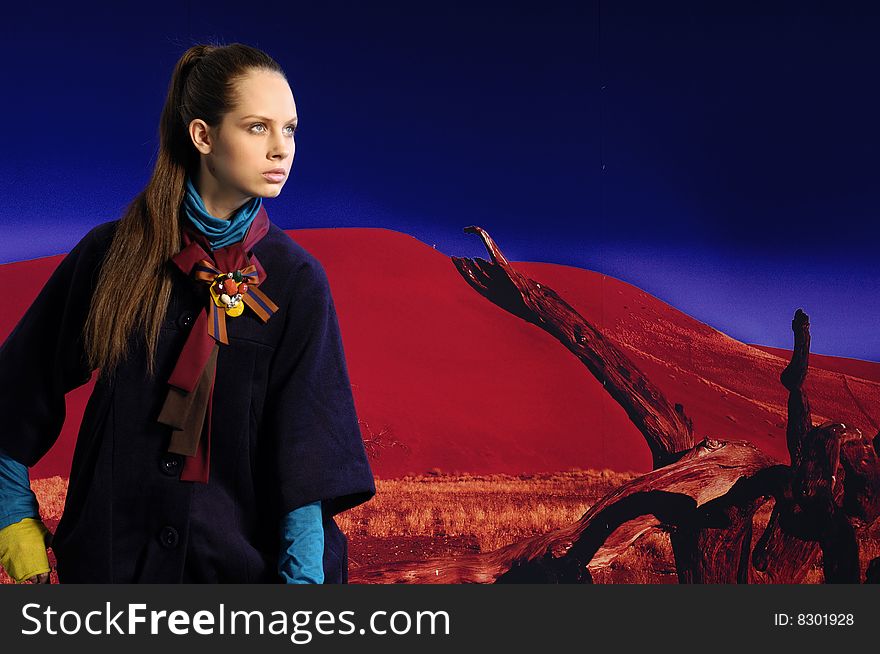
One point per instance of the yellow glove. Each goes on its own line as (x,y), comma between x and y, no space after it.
(23,548)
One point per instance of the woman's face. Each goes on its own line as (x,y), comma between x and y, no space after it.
(254,139)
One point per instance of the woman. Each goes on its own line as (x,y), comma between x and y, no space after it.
(221,437)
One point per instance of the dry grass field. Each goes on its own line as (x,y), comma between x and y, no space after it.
(439,514)
(419,517)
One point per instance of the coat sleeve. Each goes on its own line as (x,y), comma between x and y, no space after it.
(43,357)
(312,427)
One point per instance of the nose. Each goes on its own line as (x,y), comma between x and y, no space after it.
(281,148)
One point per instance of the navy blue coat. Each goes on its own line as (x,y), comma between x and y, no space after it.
(284,428)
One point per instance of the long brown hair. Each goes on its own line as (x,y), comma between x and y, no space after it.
(149,232)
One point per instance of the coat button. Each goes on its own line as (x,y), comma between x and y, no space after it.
(170,464)
(168,537)
(186,319)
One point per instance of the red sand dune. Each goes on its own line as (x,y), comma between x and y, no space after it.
(458,384)
(869,370)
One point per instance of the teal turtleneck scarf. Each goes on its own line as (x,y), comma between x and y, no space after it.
(218,231)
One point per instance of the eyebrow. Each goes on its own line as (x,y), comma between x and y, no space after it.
(293,120)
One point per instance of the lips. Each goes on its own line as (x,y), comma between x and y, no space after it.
(275,176)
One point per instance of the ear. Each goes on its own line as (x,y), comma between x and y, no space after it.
(200,134)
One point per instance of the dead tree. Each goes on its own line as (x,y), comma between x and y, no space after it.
(666,429)
(705,495)
(781,554)
(833,490)
(712,544)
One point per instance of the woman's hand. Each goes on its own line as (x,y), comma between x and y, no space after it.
(42,578)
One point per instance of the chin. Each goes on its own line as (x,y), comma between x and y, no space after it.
(270,190)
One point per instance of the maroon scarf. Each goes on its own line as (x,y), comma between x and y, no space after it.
(188,405)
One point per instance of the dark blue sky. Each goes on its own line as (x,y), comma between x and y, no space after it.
(720,155)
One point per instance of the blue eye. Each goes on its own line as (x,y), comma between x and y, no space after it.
(289,127)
